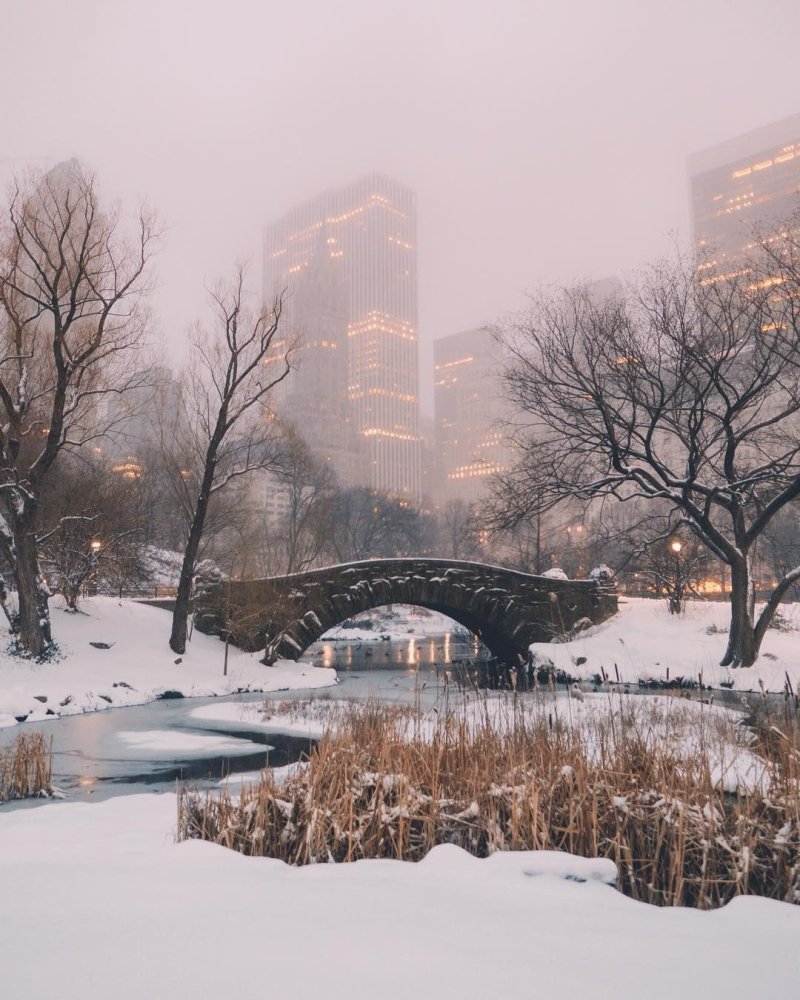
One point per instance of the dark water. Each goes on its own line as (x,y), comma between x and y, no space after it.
(93,756)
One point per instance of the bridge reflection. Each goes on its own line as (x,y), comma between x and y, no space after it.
(413,653)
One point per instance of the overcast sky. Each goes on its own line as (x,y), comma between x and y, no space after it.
(546,141)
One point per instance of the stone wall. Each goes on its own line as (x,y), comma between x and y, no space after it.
(506,609)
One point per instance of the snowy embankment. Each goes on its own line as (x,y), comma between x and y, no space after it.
(106,904)
(644,641)
(138,667)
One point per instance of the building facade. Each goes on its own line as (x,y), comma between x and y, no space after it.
(348,265)
(750,183)
(469,437)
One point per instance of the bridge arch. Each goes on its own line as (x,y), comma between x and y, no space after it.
(506,609)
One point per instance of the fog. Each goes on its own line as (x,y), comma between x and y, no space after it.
(546,141)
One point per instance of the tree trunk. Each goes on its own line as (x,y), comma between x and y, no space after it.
(35,636)
(742,643)
(183,597)
(71,592)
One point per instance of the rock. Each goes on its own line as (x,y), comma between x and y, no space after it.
(122,684)
(179,661)
(101,645)
(105,697)
(167,695)
(41,697)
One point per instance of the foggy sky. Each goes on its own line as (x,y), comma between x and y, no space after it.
(546,141)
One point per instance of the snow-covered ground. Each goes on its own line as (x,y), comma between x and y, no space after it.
(137,668)
(105,904)
(401,621)
(645,641)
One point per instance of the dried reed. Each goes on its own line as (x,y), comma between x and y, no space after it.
(639,788)
(26,767)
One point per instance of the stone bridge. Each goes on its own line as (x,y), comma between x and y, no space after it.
(507,610)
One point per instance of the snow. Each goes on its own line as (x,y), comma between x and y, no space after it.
(138,668)
(644,640)
(308,722)
(162,566)
(168,741)
(105,904)
(402,621)
(689,730)
(279,775)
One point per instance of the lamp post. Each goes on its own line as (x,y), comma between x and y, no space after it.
(677,599)
(95,547)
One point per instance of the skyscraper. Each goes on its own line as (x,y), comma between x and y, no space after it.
(347,259)
(751,181)
(314,395)
(469,408)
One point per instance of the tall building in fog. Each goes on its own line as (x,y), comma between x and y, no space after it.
(314,396)
(752,181)
(347,259)
(469,442)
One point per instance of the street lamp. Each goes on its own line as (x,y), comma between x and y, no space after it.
(91,583)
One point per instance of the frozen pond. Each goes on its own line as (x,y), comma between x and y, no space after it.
(152,746)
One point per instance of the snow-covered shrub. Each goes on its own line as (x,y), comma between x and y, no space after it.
(206,576)
(602,573)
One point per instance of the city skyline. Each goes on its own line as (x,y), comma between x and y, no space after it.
(469,446)
(745,184)
(362,237)
(562,180)
(728,193)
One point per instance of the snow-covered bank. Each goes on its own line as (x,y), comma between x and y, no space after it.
(645,641)
(139,667)
(105,904)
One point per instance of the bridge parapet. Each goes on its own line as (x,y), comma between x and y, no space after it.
(507,609)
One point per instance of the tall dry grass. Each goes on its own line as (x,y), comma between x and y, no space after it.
(642,790)
(26,767)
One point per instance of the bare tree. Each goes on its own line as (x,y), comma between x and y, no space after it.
(233,369)
(368,524)
(70,315)
(459,530)
(685,391)
(308,487)
(174,466)
(92,528)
